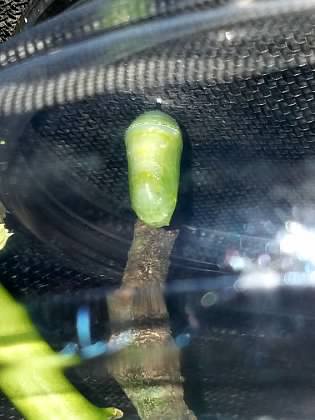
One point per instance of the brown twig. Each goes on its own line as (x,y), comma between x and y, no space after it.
(148,369)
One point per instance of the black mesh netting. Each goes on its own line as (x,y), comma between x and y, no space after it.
(244,100)
(244,97)
(10,14)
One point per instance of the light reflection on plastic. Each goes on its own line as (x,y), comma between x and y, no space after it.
(120,341)
(297,279)
(114,345)
(70,349)
(229,35)
(237,262)
(264,418)
(267,279)
(263,260)
(244,3)
(86,348)
(182,340)
(100,348)
(298,241)
(209,299)
(83,326)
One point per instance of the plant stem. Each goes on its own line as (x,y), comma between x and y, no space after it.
(148,369)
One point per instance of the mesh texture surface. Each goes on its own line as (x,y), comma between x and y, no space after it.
(245,100)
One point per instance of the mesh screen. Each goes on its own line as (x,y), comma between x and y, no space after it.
(244,97)
(11,12)
(244,100)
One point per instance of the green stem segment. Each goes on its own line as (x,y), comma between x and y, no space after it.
(31,373)
(154,147)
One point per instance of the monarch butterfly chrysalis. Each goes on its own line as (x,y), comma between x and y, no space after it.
(154,146)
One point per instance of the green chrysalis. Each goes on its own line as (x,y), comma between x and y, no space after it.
(154,147)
